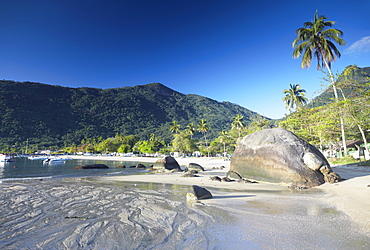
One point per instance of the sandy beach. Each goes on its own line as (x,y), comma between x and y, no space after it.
(150,211)
(350,196)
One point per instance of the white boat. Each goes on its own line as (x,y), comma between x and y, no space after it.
(35,158)
(53,160)
(5,158)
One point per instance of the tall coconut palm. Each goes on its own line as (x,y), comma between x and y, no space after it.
(224,138)
(317,39)
(203,128)
(175,128)
(190,130)
(238,123)
(294,97)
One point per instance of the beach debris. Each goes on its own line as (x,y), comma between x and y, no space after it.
(120,166)
(168,162)
(92,166)
(279,156)
(215,178)
(198,193)
(195,166)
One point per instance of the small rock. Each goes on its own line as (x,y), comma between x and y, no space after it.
(189,175)
(92,166)
(141,166)
(233,175)
(246,181)
(215,178)
(332,178)
(195,166)
(226,179)
(200,193)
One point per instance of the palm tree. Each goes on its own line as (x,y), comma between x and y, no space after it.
(190,130)
(224,138)
(203,128)
(294,97)
(238,123)
(175,128)
(316,39)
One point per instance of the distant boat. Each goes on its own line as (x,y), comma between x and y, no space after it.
(35,158)
(55,160)
(6,158)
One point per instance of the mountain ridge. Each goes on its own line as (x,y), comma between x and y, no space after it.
(52,114)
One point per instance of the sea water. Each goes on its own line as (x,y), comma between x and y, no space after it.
(22,169)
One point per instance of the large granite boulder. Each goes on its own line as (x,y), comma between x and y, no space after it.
(279,156)
(168,163)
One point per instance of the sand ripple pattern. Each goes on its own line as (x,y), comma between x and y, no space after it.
(89,215)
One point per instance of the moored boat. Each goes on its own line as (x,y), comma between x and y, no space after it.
(5,158)
(55,159)
(34,158)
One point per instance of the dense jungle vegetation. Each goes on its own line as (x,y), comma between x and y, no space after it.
(39,116)
(318,121)
(154,118)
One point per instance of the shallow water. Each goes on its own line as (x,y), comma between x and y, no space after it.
(23,168)
(89,214)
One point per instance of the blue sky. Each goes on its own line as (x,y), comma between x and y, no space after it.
(237,51)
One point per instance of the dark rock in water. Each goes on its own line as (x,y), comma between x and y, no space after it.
(167,162)
(198,193)
(120,166)
(279,156)
(92,166)
(195,166)
(141,166)
(133,166)
(226,179)
(215,178)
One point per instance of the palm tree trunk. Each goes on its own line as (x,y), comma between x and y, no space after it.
(337,99)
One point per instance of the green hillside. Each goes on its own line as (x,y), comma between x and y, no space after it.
(53,115)
(352,74)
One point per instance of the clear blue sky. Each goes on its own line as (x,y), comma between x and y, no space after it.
(237,51)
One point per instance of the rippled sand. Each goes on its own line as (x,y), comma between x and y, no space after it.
(141,212)
(91,214)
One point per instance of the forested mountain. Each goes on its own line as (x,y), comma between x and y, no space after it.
(351,78)
(53,115)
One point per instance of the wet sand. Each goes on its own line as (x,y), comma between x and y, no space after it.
(350,196)
(150,212)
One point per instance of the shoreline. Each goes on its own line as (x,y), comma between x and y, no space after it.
(350,196)
(150,210)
